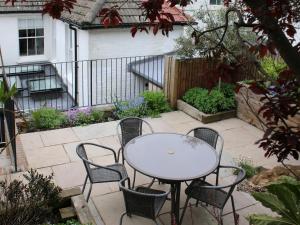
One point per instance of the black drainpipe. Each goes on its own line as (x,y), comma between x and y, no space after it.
(76,63)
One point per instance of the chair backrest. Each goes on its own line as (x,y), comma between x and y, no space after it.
(141,204)
(210,136)
(241,175)
(81,152)
(131,127)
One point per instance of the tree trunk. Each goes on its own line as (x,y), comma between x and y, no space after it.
(271,27)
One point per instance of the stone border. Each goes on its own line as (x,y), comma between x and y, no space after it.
(203,117)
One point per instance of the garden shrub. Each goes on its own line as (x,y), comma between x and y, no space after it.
(31,202)
(48,118)
(217,100)
(84,116)
(69,222)
(156,103)
(148,104)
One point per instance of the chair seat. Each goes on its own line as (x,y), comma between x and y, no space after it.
(214,197)
(101,175)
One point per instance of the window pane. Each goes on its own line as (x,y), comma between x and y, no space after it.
(22,33)
(40,46)
(31,46)
(40,32)
(31,33)
(23,47)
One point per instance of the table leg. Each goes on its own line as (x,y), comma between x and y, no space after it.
(175,203)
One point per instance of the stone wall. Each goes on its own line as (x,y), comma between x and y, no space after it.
(246,97)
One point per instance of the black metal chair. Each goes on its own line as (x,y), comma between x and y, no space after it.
(213,195)
(142,201)
(97,173)
(212,137)
(127,129)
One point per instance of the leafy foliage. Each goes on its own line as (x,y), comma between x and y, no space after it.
(205,45)
(6,94)
(273,66)
(48,118)
(214,101)
(150,103)
(69,222)
(31,202)
(156,103)
(84,116)
(248,166)
(282,197)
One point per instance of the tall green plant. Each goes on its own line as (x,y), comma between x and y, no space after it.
(283,198)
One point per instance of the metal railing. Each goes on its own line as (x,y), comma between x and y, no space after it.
(94,82)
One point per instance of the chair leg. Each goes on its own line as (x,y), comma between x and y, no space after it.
(184,209)
(85,181)
(88,196)
(221,217)
(235,216)
(217,178)
(152,182)
(121,218)
(134,176)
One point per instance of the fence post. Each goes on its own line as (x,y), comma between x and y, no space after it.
(171,78)
(9,114)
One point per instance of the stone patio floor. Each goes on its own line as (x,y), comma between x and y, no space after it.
(55,152)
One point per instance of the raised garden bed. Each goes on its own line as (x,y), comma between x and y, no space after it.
(203,117)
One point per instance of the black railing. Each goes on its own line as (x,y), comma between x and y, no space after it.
(93,82)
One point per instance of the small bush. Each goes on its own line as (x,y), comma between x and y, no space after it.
(156,103)
(31,202)
(84,116)
(217,100)
(48,118)
(148,104)
(69,222)
(248,166)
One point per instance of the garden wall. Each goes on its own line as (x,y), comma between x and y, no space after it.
(183,74)
(246,97)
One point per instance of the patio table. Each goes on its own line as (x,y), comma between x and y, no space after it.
(171,158)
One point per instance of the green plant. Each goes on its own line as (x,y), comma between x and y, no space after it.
(273,66)
(6,94)
(156,103)
(31,202)
(148,104)
(195,94)
(248,166)
(217,100)
(48,118)
(282,197)
(70,222)
(98,115)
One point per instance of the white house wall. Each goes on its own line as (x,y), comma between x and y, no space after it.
(114,43)
(9,39)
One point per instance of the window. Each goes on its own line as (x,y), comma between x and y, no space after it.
(215,2)
(31,37)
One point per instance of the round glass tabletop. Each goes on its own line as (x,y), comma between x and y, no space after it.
(173,157)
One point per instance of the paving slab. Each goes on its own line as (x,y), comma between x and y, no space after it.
(110,141)
(59,136)
(69,175)
(96,130)
(31,141)
(46,157)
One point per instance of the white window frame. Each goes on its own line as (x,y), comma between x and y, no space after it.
(38,24)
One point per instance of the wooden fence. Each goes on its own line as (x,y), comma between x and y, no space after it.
(183,74)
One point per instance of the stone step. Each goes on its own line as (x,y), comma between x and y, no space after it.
(68,212)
